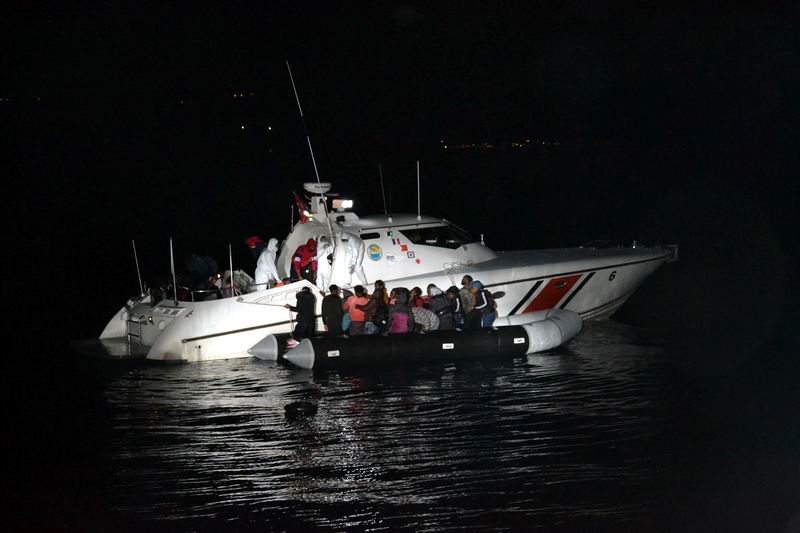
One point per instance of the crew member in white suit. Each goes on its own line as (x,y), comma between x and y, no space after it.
(354,256)
(266,271)
(324,249)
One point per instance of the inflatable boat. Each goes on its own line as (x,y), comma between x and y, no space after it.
(525,334)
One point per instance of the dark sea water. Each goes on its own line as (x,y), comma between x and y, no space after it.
(614,431)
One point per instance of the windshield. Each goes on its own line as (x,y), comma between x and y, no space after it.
(441,236)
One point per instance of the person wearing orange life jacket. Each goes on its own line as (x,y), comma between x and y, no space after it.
(355,306)
(304,262)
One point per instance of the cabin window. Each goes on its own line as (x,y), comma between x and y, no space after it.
(368,236)
(441,236)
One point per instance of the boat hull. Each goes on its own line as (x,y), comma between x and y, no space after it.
(592,283)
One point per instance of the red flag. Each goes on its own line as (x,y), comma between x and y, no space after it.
(301,207)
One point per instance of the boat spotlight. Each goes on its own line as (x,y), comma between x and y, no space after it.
(341,204)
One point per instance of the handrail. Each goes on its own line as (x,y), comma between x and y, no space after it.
(237,290)
(231,332)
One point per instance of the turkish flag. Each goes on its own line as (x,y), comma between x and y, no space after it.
(301,207)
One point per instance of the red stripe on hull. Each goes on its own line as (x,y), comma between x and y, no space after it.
(552,293)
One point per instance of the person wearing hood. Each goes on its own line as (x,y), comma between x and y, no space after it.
(324,259)
(256,245)
(401,318)
(441,306)
(484,304)
(354,256)
(304,261)
(266,272)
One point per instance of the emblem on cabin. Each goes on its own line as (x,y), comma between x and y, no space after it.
(374,252)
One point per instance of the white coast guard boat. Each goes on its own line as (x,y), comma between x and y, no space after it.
(402,250)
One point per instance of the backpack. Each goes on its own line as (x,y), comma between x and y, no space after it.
(490,301)
(490,298)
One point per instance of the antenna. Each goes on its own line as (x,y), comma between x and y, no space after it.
(419,212)
(383,192)
(138,273)
(291,223)
(174,279)
(230,262)
(310,149)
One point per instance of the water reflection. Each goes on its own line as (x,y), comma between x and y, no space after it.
(541,439)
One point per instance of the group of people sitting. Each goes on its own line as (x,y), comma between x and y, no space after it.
(399,311)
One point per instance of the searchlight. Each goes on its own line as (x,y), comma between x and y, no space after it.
(341,204)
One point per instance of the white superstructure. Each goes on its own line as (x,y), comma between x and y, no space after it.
(403,251)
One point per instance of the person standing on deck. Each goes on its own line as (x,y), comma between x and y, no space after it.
(324,260)
(256,245)
(354,254)
(266,271)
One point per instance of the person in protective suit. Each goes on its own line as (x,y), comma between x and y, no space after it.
(266,271)
(306,315)
(354,256)
(324,258)
(304,262)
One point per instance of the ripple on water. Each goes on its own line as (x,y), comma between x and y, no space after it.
(544,439)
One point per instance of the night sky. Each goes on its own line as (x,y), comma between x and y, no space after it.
(656,123)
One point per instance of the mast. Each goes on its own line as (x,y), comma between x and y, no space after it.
(310,150)
(419,212)
(174,278)
(383,192)
(230,263)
